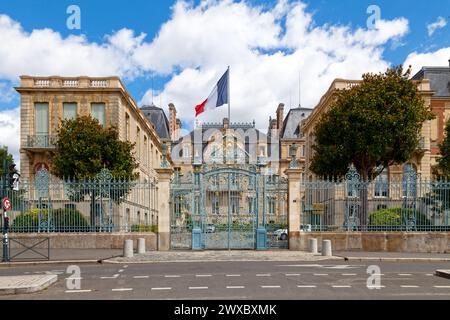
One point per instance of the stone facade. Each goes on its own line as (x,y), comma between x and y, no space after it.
(421,160)
(121,111)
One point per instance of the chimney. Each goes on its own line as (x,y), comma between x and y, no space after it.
(280,115)
(172,121)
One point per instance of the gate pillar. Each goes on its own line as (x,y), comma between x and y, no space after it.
(164,175)
(294,207)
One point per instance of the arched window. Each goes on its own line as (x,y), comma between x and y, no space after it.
(382,184)
(409,180)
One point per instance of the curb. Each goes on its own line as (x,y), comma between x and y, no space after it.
(50,262)
(49,280)
(443,273)
(389,259)
(227,260)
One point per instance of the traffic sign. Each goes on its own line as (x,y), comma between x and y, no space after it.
(6,204)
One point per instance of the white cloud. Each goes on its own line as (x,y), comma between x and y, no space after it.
(266,49)
(10,131)
(438,24)
(437,58)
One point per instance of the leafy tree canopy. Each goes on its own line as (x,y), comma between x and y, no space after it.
(372,125)
(6,157)
(84,147)
(443,166)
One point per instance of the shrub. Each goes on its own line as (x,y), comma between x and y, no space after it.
(62,220)
(397,217)
(144,228)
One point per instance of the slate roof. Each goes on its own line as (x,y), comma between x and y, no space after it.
(291,123)
(159,119)
(439,79)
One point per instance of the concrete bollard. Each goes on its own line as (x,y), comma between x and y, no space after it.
(128,249)
(326,248)
(313,245)
(141,245)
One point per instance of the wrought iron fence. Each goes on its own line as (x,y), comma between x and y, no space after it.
(408,203)
(102,204)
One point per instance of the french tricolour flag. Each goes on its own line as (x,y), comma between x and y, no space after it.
(217,97)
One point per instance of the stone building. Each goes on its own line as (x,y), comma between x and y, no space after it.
(439,78)
(45,101)
(420,161)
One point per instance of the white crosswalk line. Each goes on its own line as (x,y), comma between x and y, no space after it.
(171,276)
(235,287)
(233,275)
(122,289)
(162,288)
(320,274)
(306,286)
(442,287)
(292,274)
(203,275)
(337,286)
(270,287)
(408,286)
(78,291)
(349,274)
(404,274)
(263,275)
(141,277)
(197,288)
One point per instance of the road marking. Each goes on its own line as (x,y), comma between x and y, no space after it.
(292,274)
(73,278)
(263,275)
(121,270)
(172,276)
(113,277)
(341,286)
(320,274)
(404,274)
(203,275)
(162,288)
(442,287)
(408,286)
(141,277)
(429,274)
(78,291)
(375,287)
(197,288)
(306,286)
(122,289)
(125,266)
(235,287)
(233,275)
(349,274)
(270,287)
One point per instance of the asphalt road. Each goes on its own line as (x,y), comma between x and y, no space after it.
(243,280)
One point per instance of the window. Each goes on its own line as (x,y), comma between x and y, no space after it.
(145,151)
(69,110)
(127,127)
(215,204)
(98,112)
(235,205)
(151,154)
(41,119)
(251,205)
(382,184)
(186,153)
(271,205)
(138,142)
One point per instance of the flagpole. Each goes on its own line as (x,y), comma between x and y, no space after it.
(229,98)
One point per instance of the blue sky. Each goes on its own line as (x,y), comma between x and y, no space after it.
(185,61)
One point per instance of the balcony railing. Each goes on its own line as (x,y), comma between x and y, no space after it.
(41,141)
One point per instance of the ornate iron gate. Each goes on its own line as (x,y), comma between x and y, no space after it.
(228,208)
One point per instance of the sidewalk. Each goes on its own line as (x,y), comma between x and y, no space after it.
(65,256)
(26,283)
(220,255)
(392,256)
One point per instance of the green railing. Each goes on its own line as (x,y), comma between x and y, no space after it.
(102,204)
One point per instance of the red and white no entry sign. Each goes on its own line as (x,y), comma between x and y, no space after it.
(6,204)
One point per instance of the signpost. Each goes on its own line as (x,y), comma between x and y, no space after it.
(6,206)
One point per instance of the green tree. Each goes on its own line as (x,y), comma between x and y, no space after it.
(371,126)
(443,165)
(6,159)
(84,147)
